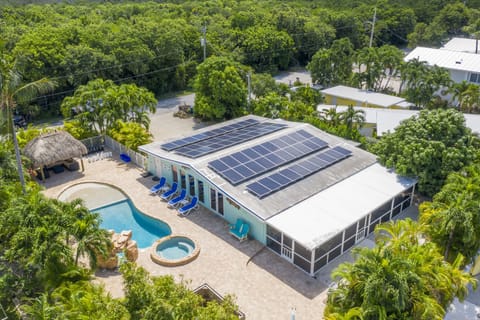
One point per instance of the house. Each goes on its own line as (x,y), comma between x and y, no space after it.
(307,195)
(461,65)
(343,95)
(388,119)
(462,45)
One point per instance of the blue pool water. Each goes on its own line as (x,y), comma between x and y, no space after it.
(123,215)
(175,248)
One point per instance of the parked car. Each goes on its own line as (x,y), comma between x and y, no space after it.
(19,121)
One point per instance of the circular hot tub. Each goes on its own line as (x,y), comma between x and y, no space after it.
(176,250)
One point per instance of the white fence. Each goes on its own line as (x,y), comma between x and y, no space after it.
(137,158)
(98,143)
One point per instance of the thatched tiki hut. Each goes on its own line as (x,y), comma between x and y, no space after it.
(52,149)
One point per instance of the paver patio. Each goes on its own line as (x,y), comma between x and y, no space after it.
(266,286)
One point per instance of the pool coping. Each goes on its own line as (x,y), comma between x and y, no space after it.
(177,262)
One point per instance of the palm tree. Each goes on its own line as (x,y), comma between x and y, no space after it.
(12,89)
(90,239)
(352,118)
(330,115)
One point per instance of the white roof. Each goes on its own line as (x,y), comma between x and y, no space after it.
(453,60)
(461,44)
(389,119)
(368,97)
(462,311)
(318,218)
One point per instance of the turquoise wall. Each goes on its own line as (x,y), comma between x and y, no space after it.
(162,167)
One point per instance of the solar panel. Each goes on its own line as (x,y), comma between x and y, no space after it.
(208,134)
(297,171)
(219,142)
(268,155)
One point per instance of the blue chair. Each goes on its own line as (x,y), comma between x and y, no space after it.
(159,186)
(125,157)
(240,230)
(168,194)
(178,199)
(186,209)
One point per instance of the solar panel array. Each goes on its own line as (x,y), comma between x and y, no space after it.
(208,134)
(219,142)
(249,163)
(297,171)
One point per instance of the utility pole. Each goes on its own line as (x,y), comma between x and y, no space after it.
(203,41)
(249,87)
(373,27)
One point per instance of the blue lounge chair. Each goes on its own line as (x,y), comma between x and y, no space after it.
(125,157)
(168,194)
(178,199)
(185,210)
(240,230)
(159,186)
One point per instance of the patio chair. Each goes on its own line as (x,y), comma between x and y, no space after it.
(170,193)
(240,230)
(161,185)
(186,209)
(178,199)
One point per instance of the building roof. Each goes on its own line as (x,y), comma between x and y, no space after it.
(452,60)
(389,119)
(317,219)
(289,196)
(364,96)
(461,45)
(50,148)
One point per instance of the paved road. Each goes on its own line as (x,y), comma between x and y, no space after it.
(165,105)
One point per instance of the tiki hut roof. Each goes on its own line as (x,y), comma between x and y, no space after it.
(50,148)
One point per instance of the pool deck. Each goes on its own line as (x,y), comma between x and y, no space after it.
(265,285)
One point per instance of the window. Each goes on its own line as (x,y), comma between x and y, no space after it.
(274,233)
(183,179)
(475,77)
(220,203)
(213,199)
(201,193)
(191,184)
(174,173)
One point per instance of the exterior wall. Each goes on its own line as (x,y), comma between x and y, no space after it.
(458,76)
(231,210)
(332,100)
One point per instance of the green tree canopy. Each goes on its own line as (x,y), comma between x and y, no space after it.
(220,89)
(428,146)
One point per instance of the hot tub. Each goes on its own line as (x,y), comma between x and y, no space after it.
(175,250)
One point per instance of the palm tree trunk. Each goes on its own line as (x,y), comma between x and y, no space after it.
(447,246)
(18,157)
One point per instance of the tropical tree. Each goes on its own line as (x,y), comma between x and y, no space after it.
(453,218)
(428,146)
(466,96)
(97,105)
(402,277)
(332,66)
(13,90)
(130,134)
(220,89)
(352,118)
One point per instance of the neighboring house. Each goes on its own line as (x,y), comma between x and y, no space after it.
(307,195)
(388,119)
(462,45)
(461,65)
(343,95)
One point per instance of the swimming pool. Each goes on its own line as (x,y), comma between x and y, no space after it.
(174,250)
(119,215)
(123,215)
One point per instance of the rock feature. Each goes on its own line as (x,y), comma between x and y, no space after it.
(121,242)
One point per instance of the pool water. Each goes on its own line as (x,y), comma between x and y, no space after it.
(175,248)
(123,215)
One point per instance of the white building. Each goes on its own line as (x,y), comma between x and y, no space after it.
(461,65)
(462,45)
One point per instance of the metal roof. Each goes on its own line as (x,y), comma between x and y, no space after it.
(461,45)
(453,60)
(363,96)
(320,217)
(287,197)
